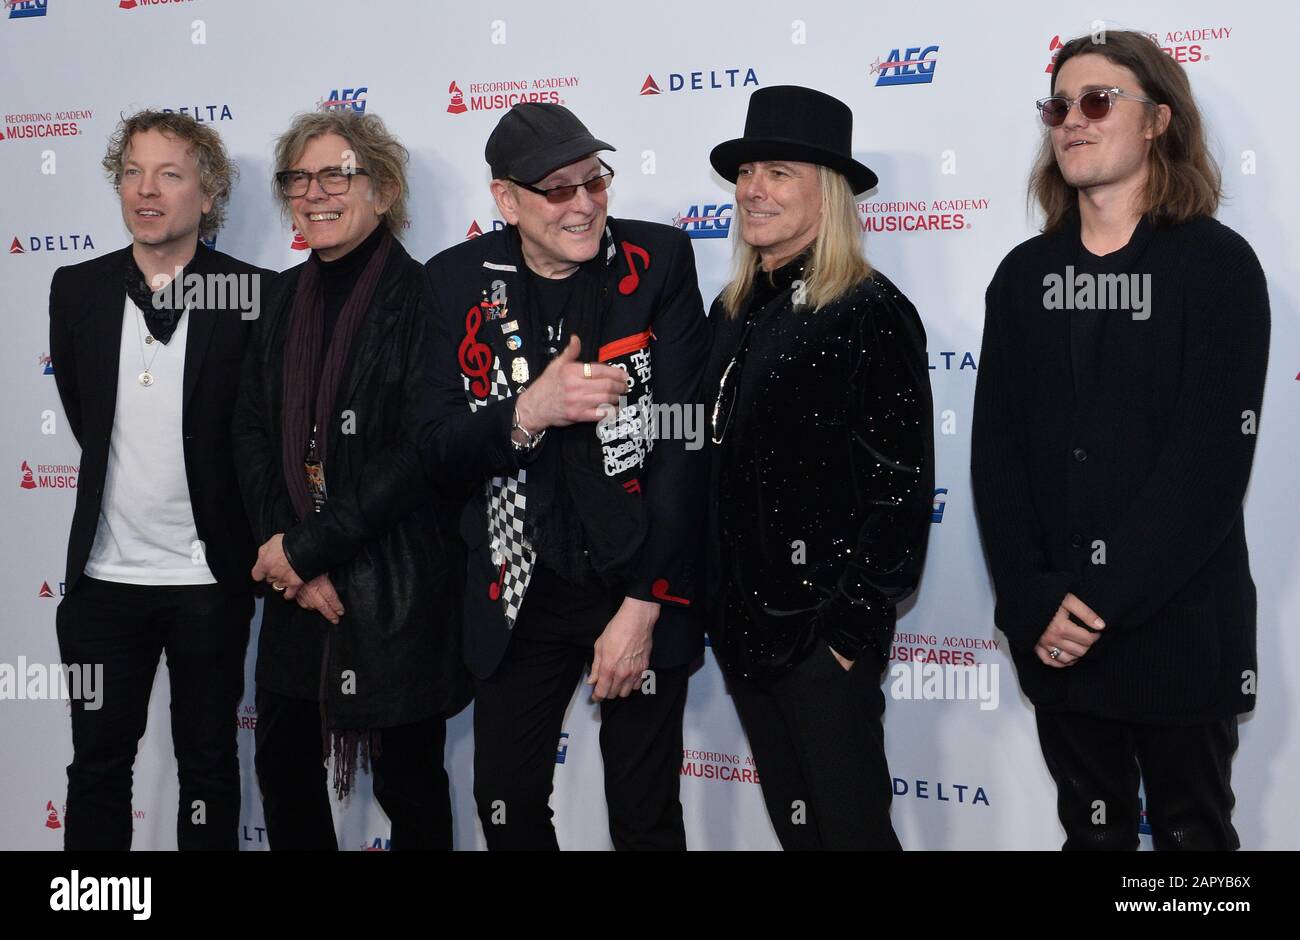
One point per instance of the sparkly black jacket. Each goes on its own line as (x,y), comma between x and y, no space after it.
(822,487)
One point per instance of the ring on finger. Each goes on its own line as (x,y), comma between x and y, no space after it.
(1054,652)
(277,585)
(586,370)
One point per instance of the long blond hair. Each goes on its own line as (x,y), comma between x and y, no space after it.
(837,264)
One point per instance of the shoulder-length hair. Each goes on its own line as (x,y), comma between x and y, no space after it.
(217,175)
(1182,180)
(836,265)
(377,151)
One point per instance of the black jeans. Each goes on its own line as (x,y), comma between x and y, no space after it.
(518,717)
(126,627)
(1185,771)
(819,747)
(410,783)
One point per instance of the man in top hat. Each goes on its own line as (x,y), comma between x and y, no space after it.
(561,342)
(821,472)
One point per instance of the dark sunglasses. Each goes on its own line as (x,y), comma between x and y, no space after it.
(1094,105)
(558,195)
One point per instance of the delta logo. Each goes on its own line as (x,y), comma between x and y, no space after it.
(506,93)
(47,363)
(377,844)
(960,793)
(1185,46)
(48,476)
(344,98)
(475,230)
(911,66)
(23,9)
(69,242)
(711,80)
(45,590)
(36,125)
(887,217)
(133,4)
(205,113)
(705,221)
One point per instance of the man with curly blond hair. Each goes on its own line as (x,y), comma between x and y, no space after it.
(146,343)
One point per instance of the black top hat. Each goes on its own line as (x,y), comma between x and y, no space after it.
(534,139)
(787,122)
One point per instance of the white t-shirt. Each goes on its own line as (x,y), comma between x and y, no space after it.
(146,532)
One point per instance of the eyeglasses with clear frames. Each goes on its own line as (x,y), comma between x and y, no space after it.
(1094,105)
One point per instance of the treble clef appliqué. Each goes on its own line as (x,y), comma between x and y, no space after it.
(475,357)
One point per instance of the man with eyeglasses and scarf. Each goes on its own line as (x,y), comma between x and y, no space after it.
(558,341)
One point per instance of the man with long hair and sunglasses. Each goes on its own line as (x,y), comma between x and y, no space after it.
(560,342)
(1115,421)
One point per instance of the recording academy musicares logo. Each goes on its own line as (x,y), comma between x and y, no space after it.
(724,766)
(1186,45)
(52,476)
(945,215)
(503,94)
(32,125)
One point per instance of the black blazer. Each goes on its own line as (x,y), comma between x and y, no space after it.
(85,335)
(652,306)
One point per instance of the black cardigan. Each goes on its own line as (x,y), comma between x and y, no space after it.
(1127,490)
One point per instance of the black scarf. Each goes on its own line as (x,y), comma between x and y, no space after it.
(580,521)
(161,316)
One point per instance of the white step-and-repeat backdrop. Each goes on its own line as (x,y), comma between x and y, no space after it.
(942,94)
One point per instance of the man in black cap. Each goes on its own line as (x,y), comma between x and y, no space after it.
(582,527)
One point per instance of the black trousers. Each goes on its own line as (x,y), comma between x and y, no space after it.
(408,778)
(518,717)
(126,627)
(1186,771)
(819,746)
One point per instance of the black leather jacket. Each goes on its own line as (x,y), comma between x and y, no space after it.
(384,536)
(822,486)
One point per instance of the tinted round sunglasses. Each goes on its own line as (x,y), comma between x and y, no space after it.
(1094,105)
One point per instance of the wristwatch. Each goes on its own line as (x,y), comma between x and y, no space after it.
(531,440)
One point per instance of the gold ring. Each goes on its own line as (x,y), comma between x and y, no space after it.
(586,370)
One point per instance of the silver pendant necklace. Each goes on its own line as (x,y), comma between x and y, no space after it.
(145,378)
